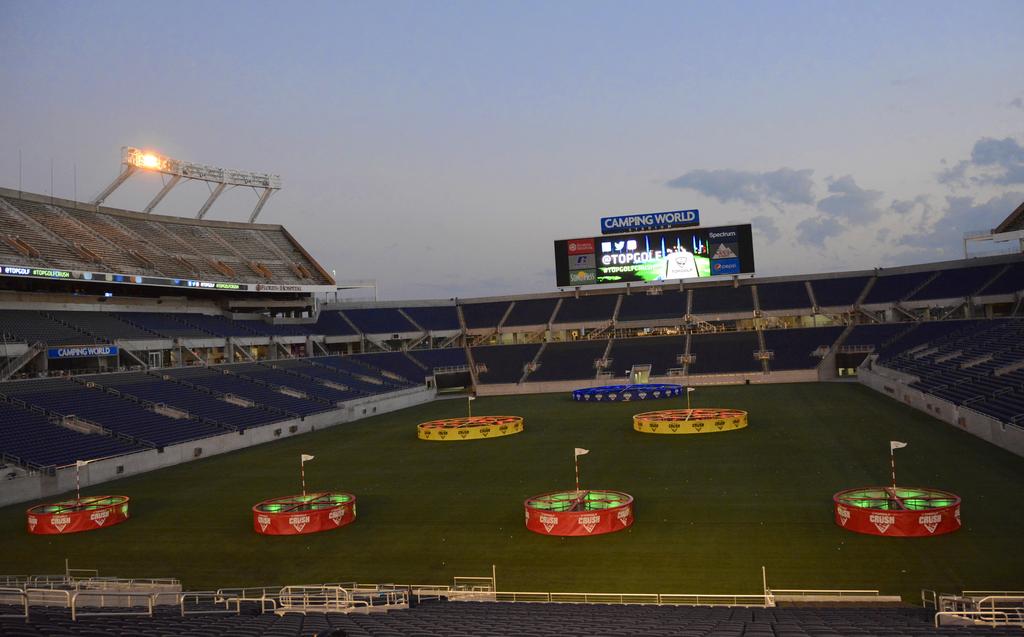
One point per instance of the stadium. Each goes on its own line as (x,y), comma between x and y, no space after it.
(195,404)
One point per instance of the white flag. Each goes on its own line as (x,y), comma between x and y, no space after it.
(306,457)
(896,444)
(472,397)
(581,452)
(689,389)
(82,463)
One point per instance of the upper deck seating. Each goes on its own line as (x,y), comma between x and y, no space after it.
(439,318)
(647,307)
(723,299)
(380,320)
(731,352)
(573,360)
(788,295)
(503,363)
(531,312)
(484,315)
(597,308)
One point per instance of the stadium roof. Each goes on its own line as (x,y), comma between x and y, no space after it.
(1015,221)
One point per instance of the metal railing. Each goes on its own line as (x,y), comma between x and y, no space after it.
(658,599)
(13,594)
(116,610)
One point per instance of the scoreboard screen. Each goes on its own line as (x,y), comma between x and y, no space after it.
(644,257)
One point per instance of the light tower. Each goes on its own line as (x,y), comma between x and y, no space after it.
(135,159)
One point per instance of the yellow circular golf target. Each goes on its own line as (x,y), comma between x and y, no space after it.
(471,428)
(689,421)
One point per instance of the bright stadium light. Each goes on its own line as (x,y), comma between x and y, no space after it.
(134,159)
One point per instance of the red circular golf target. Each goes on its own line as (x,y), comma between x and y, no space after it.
(73,516)
(302,514)
(897,512)
(579,513)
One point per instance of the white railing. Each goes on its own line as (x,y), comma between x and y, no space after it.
(824,592)
(9,595)
(316,599)
(212,607)
(658,599)
(987,617)
(117,610)
(48,597)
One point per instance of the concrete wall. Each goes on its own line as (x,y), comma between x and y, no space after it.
(38,486)
(896,385)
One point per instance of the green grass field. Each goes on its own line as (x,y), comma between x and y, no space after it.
(710,509)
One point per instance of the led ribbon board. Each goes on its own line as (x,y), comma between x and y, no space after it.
(689,421)
(647,257)
(469,428)
(304,514)
(899,512)
(579,513)
(626,393)
(73,516)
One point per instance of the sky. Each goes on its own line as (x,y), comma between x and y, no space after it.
(441,147)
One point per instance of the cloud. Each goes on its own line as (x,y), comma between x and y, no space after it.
(850,201)
(962,215)
(784,185)
(815,230)
(765,227)
(1017,102)
(993,161)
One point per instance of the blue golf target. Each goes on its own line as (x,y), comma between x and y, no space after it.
(627,393)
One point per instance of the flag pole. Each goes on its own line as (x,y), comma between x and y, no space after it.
(469,406)
(576,461)
(78,482)
(302,474)
(892,463)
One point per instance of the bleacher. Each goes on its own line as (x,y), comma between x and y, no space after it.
(787,295)
(116,414)
(794,348)
(478,618)
(531,312)
(838,292)
(396,363)
(722,300)
(326,369)
(484,315)
(31,327)
(653,307)
(1010,281)
(130,243)
(436,358)
(103,326)
(895,287)
(233,384)
(661,352)
(504,363)
(29,438)
(573,360)
(597,308)
(437,318)
(875,335)
(165,325)
(957,283)
(969,364)
(380,320)
(331,323)
(728,353)
(313,390)
(154,389)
